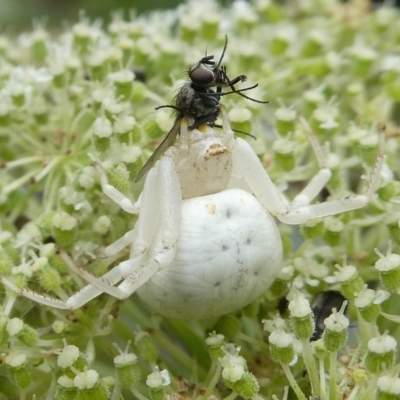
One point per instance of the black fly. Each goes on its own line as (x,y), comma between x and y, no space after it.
(198,101)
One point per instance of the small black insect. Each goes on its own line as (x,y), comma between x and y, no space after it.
(198,101)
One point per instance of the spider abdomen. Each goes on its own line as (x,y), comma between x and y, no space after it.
(229,253)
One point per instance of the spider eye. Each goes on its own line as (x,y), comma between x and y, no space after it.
(201,75)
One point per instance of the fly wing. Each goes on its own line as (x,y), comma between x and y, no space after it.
(168,141)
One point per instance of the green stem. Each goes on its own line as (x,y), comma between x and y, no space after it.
(370,391)
(353,393)
(332,376)
(138,395)
(232,396)
(20,181)
(23,161)
(322,381)
(257,397)
(213,382)
(300,395)
(311,366)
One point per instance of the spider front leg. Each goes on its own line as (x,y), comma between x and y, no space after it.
(156,233)
(78,299)
(156,236)
(114,194)
(300,210)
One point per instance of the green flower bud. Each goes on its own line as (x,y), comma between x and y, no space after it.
(123,83)
(389,270)
(19,371)
(102,225)
(83,36)
(285,121)
(333,231)
(246,387)
(60,80)
(112,108)
(6,263)
(39,45)
(388,388)
(324,120)
(126,45)
(320,349)
(189,28)
(69,357)
(156,382)
(240,119)
(389,191)
(138,92)
(301,317)
(152,128)
(102,131)
(49,278)
(312,229)
(367,302)
(146,347)
(59,326)
(128,371)
(312,99)
(114,59)
(335,334)
(17,93)
(64,228)
(351,282)
(367,148)
(363,59)
(314,43)
(126,129)
(278,45)
(281,347)
(284,154)
(269,10)
(210,26)
(381,353)
(90,387)
(215,341)
(40,112)
(119,178)
(65,389)
(45,224)
(285,275)
(23,332)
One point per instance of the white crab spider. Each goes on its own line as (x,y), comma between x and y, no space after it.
(202,247)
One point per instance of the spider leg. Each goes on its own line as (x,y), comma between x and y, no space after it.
(120,244)
(78,299)
(300,210)
(159,218)
(114,194)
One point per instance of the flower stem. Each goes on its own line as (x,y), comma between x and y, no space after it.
(300,395)
(332,375)
(311,366)
(213,382)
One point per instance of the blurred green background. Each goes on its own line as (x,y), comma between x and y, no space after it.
(18,15)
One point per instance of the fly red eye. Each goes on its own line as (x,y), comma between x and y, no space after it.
(201,75)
